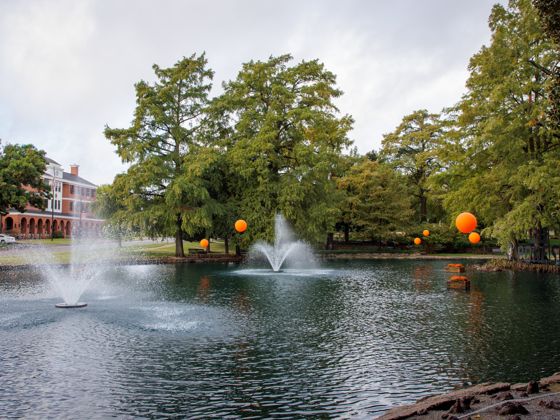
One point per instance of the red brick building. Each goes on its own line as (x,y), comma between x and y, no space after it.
(68,213)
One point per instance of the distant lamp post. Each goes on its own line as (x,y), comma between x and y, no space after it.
(52,203)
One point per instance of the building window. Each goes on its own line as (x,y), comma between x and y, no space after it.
(71,189)
(71,206)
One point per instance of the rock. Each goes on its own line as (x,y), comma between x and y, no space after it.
(550,379)
(523,394)
(516,417)
(503,396)
(519,387)
(553,405)
(512,408)
(533,387)
(446,401)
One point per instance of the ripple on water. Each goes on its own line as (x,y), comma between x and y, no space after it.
(350,340)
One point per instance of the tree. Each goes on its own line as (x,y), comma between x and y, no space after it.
(21,178)
(506,148)
(166,185)
(285,144)
(377,200)
(109,205)
(412,149)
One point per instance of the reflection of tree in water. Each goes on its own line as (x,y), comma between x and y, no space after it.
(422,276)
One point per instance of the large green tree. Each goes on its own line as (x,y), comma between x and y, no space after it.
(412,149)
(377,200)
(285,144)
(166,185)
(21,178)
(503,164)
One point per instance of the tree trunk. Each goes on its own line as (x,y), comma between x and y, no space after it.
(330,239)
(226,244)
(346,232)
(540,244)
(513,251)
(179,252)
(423,208)
(208,247)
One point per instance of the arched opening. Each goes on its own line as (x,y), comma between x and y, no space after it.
(8,224)
(68,228)
(55,226)
(23,225)
(48,227)
(40,227)
(32,226)
(61,228)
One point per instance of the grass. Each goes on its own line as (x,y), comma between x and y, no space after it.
(56,241)
(140,250)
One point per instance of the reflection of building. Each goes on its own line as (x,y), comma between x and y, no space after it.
(67,213)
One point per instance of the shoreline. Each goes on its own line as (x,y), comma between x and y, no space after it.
(231,258)
(532,400)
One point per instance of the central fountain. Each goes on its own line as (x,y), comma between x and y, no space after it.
(285,250)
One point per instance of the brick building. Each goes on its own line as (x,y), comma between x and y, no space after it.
(68,213)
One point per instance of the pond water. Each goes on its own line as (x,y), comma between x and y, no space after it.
(350,339)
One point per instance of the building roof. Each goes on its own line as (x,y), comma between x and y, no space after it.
(73,178)
(49,160)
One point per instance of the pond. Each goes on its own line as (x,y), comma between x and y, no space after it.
(349,339)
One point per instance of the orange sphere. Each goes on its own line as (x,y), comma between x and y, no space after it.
(241,226)
(204,243)
(465,222)
(417,241)
(474,238)
(426,232)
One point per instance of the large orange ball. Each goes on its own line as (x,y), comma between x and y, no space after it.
(204,243)
(426,232)
(474,238)
(417,241)
(466,222)
(241,226)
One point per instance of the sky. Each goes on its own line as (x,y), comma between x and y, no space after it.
(68,67)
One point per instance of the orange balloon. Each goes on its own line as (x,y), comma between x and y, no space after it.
(241,226)
(474,238)
(417,241)
(204,243)
(426,232)
(466,222)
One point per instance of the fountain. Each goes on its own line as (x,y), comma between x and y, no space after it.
(285,250)
(86,258)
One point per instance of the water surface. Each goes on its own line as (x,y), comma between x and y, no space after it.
(348,339)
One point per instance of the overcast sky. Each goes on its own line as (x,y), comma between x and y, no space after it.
(67,67)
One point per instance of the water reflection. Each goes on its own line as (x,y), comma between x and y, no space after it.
(352,339)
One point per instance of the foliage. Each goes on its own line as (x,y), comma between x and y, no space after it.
(285,144)
(21,178)
(502,152)
(412,150)
(165,189)
(377,200)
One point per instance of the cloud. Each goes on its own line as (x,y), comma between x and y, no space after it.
(67,67)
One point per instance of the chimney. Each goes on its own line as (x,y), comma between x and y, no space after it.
(74,169)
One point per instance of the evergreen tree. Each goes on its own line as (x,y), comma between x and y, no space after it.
(166,185)
(285,144)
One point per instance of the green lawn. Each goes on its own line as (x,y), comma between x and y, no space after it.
(150,251)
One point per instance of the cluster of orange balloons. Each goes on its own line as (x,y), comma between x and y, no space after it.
(466,223)
(418,241)
(240,226)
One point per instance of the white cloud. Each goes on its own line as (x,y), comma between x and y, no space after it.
(67,67)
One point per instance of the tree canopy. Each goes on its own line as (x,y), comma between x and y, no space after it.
(166,185)
(285,143)
(21,178)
